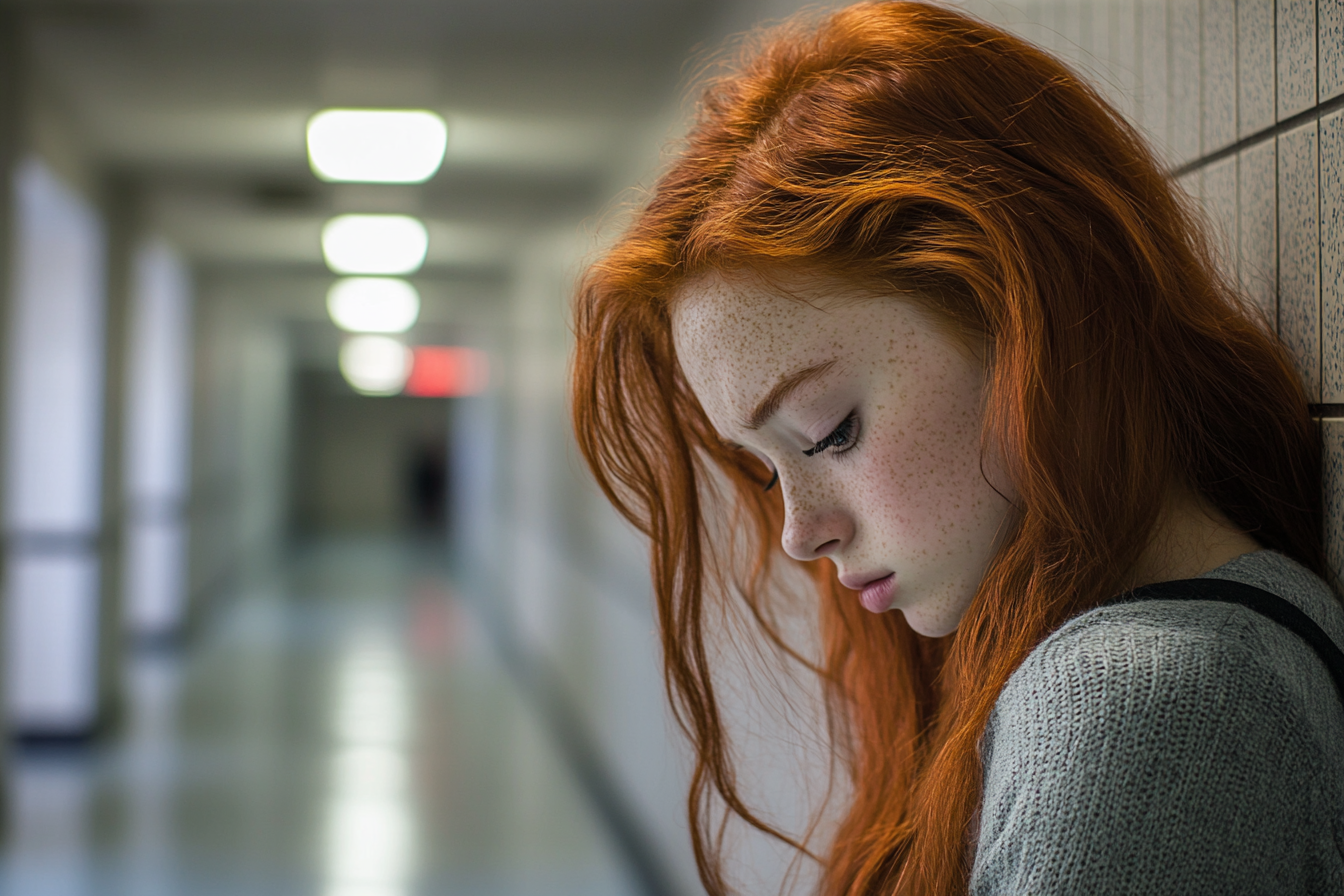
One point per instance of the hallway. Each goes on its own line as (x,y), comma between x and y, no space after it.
(305,588)
(344,728)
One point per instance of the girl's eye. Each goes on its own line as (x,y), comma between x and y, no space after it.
(842,438)
(773,479)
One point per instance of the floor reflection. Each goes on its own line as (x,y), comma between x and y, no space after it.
(345,731)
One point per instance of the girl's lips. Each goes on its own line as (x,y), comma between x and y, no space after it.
(877,594)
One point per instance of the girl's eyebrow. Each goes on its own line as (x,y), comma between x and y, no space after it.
(787,384)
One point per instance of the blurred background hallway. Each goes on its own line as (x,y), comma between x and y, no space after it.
(344,728)
(305,590)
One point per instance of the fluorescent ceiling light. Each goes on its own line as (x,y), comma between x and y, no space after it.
(386,146)
(373,304)
(375,365)
(374,244)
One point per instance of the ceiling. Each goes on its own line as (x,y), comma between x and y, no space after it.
(201,105)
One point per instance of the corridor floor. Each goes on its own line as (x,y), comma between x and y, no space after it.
(346,730)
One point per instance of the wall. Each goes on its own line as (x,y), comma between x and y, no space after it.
(237,512)
(1245,101)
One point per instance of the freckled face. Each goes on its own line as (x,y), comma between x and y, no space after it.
(894,495)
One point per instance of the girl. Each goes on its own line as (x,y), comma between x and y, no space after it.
(925,314)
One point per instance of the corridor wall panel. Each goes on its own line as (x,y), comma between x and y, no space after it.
(1295,27)
(1329,49)
(53,429)
(1219,57)
(1219,196)
(1152,60)
(1117,46)
(157,432)
(1257,227)
(1299,253)
(1183,126)
(1255,66)
(1332,258)
(56,328)
(1332,433)
(53,641)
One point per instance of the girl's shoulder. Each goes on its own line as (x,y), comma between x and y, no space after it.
(1191,649)
(1147,737)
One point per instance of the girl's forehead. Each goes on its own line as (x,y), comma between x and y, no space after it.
(716,302)
(740,315)
(741,321)
(743,302)
(735,337)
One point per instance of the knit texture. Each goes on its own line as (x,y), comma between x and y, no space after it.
(1170,747)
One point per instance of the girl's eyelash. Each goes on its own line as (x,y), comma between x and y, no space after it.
(842,438)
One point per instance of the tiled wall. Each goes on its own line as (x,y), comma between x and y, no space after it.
(1244,99)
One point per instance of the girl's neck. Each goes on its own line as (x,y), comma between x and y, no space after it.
(1191,538)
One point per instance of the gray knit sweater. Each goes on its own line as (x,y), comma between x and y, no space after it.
(1170,747)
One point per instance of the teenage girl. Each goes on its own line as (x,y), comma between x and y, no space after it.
(915,309)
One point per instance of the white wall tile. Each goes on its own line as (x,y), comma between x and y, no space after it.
(1088,16)
(1295,29)
(1257,226)
(1064,24)
(1332,258)
(1094,29)
(1219,197)
(1332,439)
(1255,66)
(1183,112)
(1069,25)
(1152,74)
(1026,24)
(1299,253)
(1107,33)
(1330,52)
(1218,109)
(1122,52)
(1192,182)
(1041,27)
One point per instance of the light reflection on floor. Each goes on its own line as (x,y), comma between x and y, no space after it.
(347,731)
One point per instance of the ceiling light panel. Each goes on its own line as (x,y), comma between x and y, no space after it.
(384,146)
(375,365)
(373,304)
(374,244)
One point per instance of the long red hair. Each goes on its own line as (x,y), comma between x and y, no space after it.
(915,149)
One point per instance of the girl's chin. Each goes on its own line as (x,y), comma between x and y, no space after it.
(931,625)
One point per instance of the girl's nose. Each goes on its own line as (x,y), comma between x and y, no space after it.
(814,531)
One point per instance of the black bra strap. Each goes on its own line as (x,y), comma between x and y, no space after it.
(1271,606)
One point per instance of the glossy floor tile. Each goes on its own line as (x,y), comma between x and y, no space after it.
(346,730)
